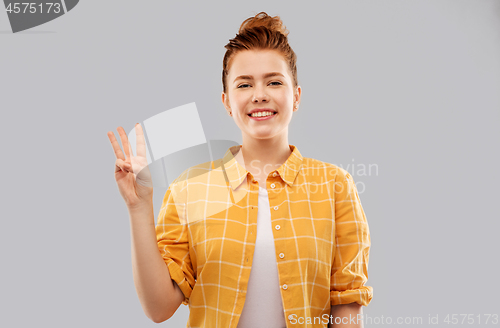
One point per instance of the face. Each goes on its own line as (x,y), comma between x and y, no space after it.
(260,80)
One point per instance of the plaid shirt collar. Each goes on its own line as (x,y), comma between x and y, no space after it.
(236,173)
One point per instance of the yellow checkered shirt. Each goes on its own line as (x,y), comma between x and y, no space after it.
(206,232)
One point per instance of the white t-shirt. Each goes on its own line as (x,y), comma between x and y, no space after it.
(263,305)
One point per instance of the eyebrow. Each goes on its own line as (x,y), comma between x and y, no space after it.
(250,77)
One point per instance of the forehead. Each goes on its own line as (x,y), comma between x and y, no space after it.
(257,63)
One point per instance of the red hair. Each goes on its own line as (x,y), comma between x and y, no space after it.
(261,32)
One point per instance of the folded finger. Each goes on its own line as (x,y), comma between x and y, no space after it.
(120,165)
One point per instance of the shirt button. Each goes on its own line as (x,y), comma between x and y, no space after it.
(275,208)
(275,174)
(282,255)
(285,286)
(273,185)
(277,227)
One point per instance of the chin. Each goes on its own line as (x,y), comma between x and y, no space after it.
(263,135)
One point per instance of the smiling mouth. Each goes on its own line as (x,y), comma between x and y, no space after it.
(273,113)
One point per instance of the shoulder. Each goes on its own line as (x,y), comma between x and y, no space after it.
(194,171)
(198,173)
(332,171)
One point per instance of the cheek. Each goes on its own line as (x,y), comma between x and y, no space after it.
(239,101)
(286,98)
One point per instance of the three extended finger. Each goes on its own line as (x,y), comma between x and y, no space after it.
(116,146)
(125,143)
(141,143)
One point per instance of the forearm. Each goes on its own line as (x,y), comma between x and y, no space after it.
(346,316)
(152,280)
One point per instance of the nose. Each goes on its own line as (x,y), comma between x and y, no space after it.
(259,95)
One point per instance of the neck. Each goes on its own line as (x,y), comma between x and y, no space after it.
(262,156)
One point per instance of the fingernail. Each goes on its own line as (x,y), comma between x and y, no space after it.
(136,124)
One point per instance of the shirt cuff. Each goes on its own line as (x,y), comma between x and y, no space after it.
(177,275)
(362,296)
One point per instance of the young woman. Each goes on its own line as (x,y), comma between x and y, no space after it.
(262,237)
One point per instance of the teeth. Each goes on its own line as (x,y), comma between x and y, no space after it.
(260,114)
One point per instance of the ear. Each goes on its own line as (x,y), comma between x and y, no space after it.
(296,98)
(225,102)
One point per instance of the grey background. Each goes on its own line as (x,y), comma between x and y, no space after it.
(411,86)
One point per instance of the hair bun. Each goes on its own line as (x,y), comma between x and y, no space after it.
(262,19)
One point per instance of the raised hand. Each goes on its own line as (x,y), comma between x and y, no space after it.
(132,172)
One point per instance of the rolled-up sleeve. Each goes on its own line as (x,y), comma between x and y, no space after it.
(172,239)
(352,245)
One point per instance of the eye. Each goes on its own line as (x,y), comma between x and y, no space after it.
(245,85)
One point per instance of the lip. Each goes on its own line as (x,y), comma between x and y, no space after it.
(263,117)
(261,110)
